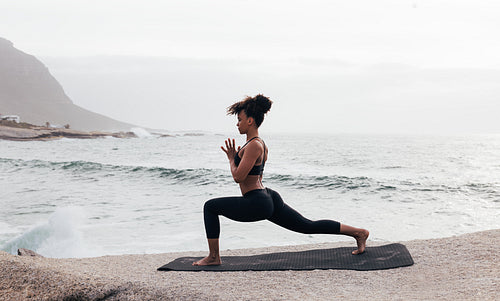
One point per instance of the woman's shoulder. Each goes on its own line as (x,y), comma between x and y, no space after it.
(259,142)
(256,145)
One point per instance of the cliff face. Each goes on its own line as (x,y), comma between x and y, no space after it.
(29,90)
(25,79)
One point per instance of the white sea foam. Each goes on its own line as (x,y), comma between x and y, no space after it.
(59,237)
(140,132)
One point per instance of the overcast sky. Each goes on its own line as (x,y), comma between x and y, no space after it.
(337,66)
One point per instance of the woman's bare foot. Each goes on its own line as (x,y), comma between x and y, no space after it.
(213,257)
(209,260)
(361,238)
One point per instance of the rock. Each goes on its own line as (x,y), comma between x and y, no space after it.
(26,252)
(43,133)
(124,135)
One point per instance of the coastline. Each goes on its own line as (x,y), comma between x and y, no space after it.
(464,267)
(39,133)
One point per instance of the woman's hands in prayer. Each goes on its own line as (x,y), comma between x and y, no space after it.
(230,149)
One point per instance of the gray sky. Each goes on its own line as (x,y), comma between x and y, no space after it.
(330,66)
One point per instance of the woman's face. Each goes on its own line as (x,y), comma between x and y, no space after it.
(243,122)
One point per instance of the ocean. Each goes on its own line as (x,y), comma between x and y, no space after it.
(84,198)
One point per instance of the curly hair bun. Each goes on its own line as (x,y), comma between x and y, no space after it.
(263,103)
(255,107)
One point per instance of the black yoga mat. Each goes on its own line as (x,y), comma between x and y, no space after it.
(374,258)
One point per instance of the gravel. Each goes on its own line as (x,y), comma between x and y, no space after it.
(464,267)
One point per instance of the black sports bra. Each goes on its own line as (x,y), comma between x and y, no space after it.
(256,170)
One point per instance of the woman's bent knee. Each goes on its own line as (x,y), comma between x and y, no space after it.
(209,205)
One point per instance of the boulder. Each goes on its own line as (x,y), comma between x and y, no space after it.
(26,252)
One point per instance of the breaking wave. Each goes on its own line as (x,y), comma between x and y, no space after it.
(58,237)
(207,176)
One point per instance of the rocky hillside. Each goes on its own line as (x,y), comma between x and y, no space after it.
(29,90)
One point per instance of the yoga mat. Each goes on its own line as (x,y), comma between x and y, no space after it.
(374,258)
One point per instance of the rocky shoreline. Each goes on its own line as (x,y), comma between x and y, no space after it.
(464,267)
(34,133)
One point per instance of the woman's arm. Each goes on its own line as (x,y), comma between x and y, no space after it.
(251,154)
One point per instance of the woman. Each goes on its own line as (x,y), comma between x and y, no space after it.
(259,203)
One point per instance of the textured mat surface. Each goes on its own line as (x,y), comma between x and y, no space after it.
(374,258)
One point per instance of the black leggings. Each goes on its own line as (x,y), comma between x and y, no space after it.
(258,205)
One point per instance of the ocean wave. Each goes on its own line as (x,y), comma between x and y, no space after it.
(58,237)
(328,182)
(140,132)
(476,188)
(207,176)
(196,176)
(374,186)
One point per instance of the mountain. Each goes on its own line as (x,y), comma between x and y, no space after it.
(29,90)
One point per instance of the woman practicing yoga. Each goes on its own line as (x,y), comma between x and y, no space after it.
(259,203)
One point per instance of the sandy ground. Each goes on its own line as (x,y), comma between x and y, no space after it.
(464,267)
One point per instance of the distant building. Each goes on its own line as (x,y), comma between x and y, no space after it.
(14,118)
